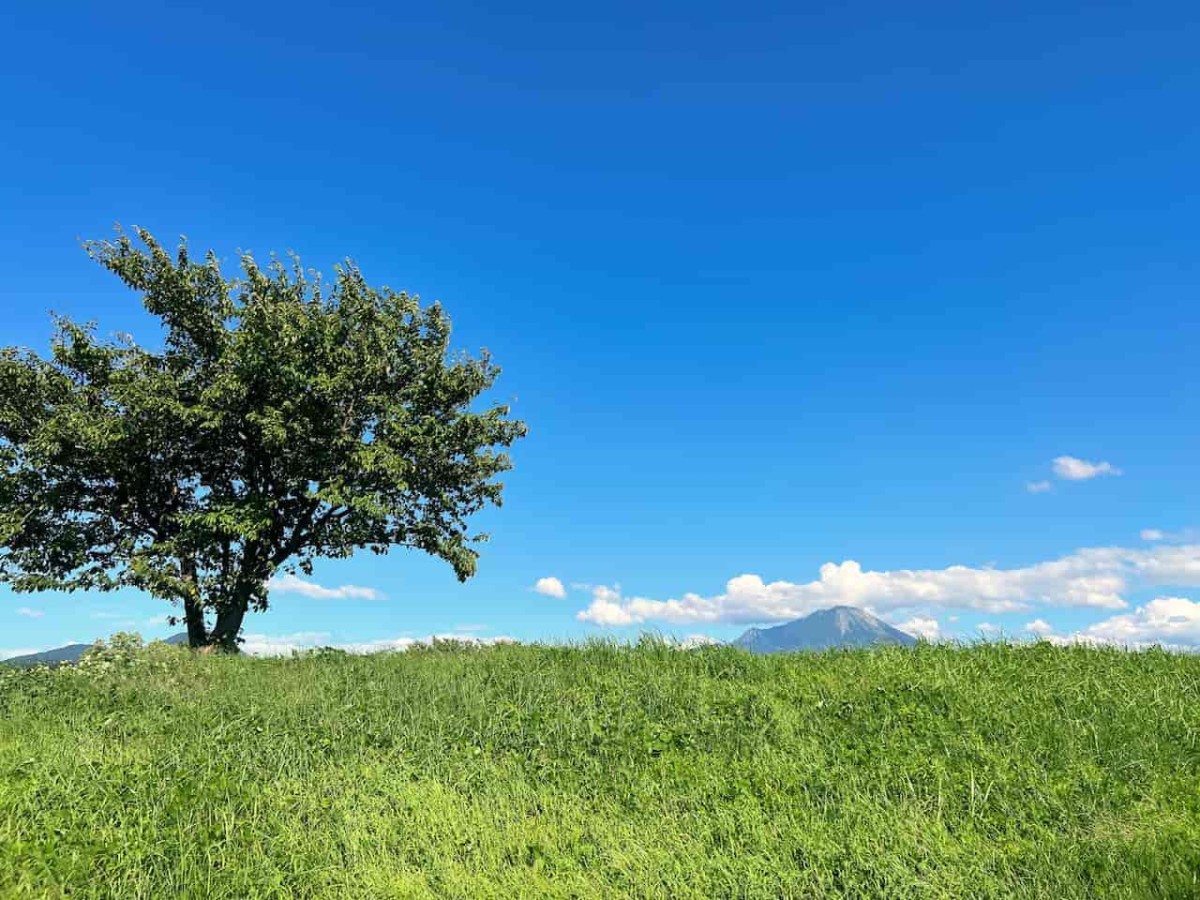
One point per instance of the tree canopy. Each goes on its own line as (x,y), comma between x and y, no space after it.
(282,420)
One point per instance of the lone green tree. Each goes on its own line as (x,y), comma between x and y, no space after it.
(281,420)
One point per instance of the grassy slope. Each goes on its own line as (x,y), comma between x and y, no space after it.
(607,772)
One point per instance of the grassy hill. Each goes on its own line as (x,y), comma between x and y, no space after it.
(600,771)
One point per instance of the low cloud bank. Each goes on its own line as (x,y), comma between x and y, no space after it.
(1094,578)
(286,644)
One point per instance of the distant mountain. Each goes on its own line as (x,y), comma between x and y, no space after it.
(71,653)
(839,626)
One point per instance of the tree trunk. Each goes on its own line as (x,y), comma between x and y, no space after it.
(193,616)
(193,612)
(229,622)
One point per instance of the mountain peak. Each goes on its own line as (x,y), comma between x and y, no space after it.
(836,626)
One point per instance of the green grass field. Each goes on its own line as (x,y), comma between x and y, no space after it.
(606,771)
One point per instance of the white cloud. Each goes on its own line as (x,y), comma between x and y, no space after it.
(1183,536)
(30,613)
(10,652)
(550,587)
(1039,627)
(1171,621)
(383,644)
(695,640)
(290,584)
(1092,578)
(923,627)
(285,644)
(1037,487)
(1072,469)
(606,608)
(987,628)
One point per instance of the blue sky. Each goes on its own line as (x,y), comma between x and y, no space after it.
(774,287)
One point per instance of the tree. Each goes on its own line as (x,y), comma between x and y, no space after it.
(281,421)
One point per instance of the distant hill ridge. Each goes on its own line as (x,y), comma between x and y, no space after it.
(838,626)
(71,653)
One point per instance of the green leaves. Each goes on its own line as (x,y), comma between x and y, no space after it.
(281,421)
